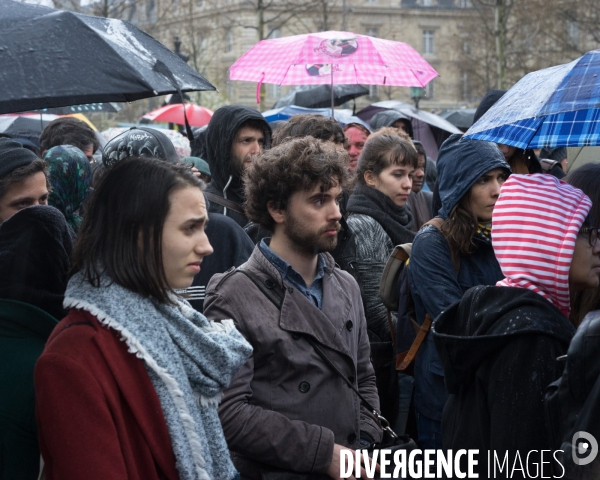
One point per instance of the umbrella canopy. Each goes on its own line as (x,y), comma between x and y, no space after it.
(334,58)
(109,107)
(553,107)
(461,118)
(341,116)
(429,129)
(25,127)
(197,116)
(46,56)
(320,96)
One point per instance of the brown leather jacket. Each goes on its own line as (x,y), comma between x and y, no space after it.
(286,407)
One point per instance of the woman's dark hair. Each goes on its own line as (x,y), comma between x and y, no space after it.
(121,235)
(297,164)
(587,179)
(381,151)
(460,227)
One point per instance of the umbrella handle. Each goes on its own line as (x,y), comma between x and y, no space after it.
(258,85)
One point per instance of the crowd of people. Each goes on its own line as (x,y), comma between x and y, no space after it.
(219,316)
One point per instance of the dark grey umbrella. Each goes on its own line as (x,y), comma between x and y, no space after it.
(320,96)
(460,117)
(52,58)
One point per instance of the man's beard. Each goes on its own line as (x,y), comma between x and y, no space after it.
(308,241)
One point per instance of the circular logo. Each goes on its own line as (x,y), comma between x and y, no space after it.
(339,47)
(585,448)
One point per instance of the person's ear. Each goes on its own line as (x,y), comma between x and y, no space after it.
(370,178)
(277,214)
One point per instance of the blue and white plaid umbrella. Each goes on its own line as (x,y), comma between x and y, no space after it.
(554,107)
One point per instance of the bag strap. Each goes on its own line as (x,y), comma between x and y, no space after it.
(416,345)
(277,300)
(224,202)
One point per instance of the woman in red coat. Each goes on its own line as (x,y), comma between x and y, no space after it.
(129,382)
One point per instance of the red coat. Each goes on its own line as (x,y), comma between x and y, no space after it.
(98,414)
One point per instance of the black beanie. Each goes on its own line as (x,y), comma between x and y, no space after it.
(13,155)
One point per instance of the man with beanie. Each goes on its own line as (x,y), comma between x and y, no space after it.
(234,135)
(23,180)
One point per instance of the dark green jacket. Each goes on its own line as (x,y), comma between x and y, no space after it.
(24,330)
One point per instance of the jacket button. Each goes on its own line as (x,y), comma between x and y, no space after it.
(352,438)
(304,387)
(351,379)
(295,335)
(349,325)
(269,284)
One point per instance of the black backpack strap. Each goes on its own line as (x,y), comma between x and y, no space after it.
(224,202)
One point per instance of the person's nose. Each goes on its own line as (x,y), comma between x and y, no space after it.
(203,247)
(256,148)
(407,184)
(496,186)
(353,151)
(334,213)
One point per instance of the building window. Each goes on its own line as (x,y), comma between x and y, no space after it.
(372,31)
(274,91)
(274,32)
(573,33)
(428,47)
(429,90)
(229,91)
(371,1)
(427,3)
(466,47)
(465,89)
(373,91)
(229,40)
(464,3)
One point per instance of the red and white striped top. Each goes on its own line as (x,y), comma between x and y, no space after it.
(534,228)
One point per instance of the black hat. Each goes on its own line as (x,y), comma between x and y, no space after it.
(13,155)
(139,142)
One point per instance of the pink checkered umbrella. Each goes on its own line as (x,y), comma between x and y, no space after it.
(328,57)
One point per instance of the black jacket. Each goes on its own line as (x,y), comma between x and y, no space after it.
(231,247)
(220,134)
(498,347)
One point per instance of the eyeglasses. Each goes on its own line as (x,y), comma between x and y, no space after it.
(592,233)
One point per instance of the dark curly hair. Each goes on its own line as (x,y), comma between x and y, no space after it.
(383,150)
(311,125)
(298,164)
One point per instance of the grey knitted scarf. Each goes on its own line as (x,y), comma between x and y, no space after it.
(189,360)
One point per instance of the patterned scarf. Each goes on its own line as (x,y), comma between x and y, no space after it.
(189,360)
(70,174)
(484,232)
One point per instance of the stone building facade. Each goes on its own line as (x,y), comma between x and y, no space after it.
(215,33)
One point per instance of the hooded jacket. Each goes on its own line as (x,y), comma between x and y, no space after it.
(220,134)
(434,283)
(35,245)
(499,344)
(385,118)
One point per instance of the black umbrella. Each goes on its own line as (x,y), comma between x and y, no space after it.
(25,128)
(320,96)
(46,59)
(459,117)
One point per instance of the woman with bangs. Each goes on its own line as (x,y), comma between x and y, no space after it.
(379,219)
(450,257)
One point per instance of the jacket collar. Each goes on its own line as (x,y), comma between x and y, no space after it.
(299,315)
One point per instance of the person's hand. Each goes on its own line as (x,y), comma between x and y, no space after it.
(334,467)
(196,172)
